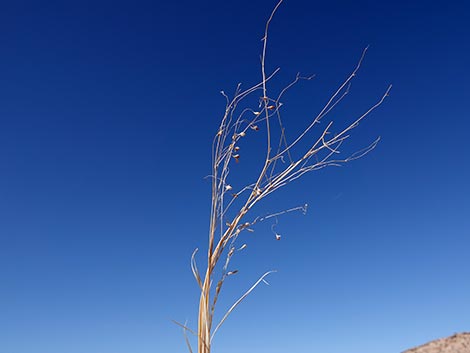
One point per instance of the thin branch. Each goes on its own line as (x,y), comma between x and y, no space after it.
(185,327)
(229,311)
(186,339)
(263,73)
(332,98)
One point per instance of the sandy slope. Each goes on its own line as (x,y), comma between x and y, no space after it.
(458,343)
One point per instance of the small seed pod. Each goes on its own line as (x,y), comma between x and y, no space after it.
(242,247)
(278,236)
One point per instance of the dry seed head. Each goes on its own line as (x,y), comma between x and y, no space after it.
(228,187)
(278,236)
(219,285)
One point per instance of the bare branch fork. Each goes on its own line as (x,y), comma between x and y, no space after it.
(278,169)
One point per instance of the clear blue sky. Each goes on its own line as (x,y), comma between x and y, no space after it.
(107,112)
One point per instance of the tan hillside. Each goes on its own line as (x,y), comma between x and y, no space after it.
(458,343)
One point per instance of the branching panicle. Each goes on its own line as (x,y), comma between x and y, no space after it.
(278,169)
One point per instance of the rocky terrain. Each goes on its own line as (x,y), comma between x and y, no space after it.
(458,343)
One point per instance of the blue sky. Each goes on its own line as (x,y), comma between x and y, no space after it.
(107,113)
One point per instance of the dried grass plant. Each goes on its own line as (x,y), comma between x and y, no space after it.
(278,169)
